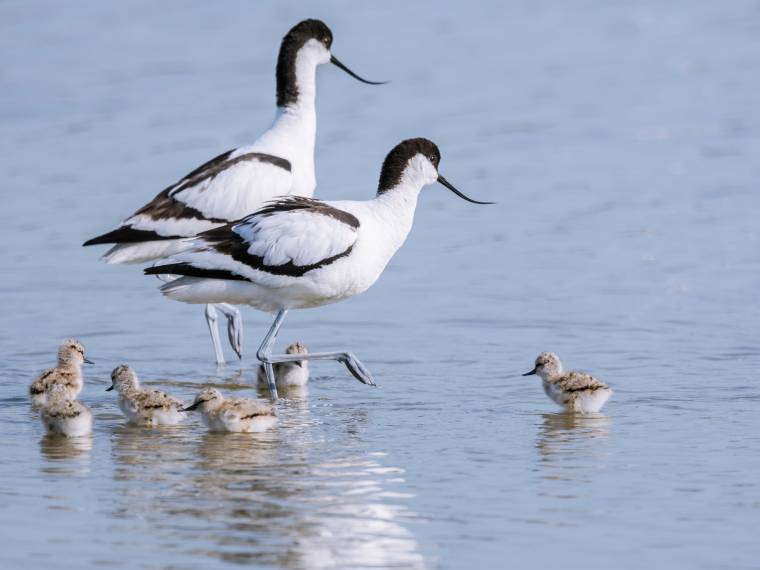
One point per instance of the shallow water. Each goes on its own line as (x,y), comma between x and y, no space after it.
(621,144)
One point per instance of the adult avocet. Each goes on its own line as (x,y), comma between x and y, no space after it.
(575,391)
(297,253)
(238,182)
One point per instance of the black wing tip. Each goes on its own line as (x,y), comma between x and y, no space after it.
(188,270)
(127,234)
(164,269)
(102,239)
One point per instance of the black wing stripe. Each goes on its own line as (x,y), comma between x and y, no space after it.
(256,415)
(165,206)
(592,388)
(240,253)
(222,163)
(299,203)
(188,270)
(213,163)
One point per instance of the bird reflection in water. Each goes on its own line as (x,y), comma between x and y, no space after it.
(277,505)
(285,392)
(302,495)
(59,449)
(568,435)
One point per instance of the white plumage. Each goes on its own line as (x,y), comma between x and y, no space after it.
(297,253)
(236,190)
(236,183)
(299,237)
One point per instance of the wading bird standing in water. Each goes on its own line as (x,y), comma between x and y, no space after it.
(222,414)
(68,373)
(141,406)
(297,253)
(63,415)
(575,391)
(238,182)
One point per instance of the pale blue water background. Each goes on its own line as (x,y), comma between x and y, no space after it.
(621,143)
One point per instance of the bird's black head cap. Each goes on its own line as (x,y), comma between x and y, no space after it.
(294,40)
(398,158)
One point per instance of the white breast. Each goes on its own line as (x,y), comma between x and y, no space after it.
(292,136)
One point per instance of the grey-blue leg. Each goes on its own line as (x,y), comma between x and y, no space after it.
(234,329)
(264,354)
(234,326)
(211,321)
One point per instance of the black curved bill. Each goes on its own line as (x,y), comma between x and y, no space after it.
(111,387)
(531,373)
(334,60)
(448,185)
(190,408)
(88,361)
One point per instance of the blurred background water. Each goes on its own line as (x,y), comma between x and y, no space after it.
(621,143)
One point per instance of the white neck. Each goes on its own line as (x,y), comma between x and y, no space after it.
(396,208)
(293,133)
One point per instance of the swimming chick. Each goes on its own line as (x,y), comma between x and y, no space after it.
(233,414)
(67,373)
(144,407)
(287,373)
(576,391)
(64,415)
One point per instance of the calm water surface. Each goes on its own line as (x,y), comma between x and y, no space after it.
(621,143)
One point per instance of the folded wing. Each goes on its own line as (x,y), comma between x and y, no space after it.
(286,238)
(225,188)
(580,381)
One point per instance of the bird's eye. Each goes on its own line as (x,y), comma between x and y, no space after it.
(325,40)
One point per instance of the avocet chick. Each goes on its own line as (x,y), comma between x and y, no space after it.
(233,414)
(67,373)
(288,373)
(144,407)
(64,415)
(576,391)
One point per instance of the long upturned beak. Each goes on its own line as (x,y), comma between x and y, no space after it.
(531,373)
(88,361)
(450,186)
(111,387)
(191,407)
(336,62)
